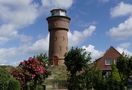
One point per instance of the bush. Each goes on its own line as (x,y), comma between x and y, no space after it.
(4,79)
(32,71)
(7,82)
(13,85)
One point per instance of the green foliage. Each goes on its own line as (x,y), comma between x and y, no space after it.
(114,80)
(111,82)
(4,79)
(95,78)
(8,68)
(75,82)
(76,61)
(59,73)
(124,66)
(114,85)
(42,57)
(115,74)
(7,82)
(100,82)
(14,85)
(130,66)
(83,75)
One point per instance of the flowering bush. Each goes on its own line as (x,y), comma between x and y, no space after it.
(32,70)
(19,75)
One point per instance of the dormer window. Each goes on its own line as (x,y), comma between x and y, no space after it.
(108,61)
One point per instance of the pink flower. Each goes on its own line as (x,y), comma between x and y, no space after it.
(30,58)
(33,75)
(41,71)
(21,63)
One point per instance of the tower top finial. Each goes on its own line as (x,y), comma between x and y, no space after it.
(58,12)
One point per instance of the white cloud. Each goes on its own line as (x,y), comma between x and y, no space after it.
(7,31)
(40,45)
(76,37)
(24,38)
(122,9)
(123,30)
(95,54)
(125,45)
(3,40)
(14,15)
(8,55)
(57,3)
(18,12)
(14,55)
(124,48)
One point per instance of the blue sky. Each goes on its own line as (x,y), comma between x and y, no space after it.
(95,25)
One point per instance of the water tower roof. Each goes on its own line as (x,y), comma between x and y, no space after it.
(58,12)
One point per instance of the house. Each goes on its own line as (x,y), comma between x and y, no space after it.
(104,63)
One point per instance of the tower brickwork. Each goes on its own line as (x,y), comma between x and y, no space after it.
(58,25)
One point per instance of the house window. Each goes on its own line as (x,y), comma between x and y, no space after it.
(108,61)
(115,61)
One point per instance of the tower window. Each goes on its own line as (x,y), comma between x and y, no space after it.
(55,38)
(60,48)
(66,48)
(63,38)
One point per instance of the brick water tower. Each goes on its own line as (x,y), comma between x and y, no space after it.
(58,26)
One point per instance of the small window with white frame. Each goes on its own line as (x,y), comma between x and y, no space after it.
(115,61)
(108,61)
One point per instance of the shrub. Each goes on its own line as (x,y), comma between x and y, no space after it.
(20,76)
(13,85)
(7,82)
(33,71)
(4,79)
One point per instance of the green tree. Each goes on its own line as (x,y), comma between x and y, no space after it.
(114,80)
(94,79)
(124,66)
(76,60)
(115,74)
